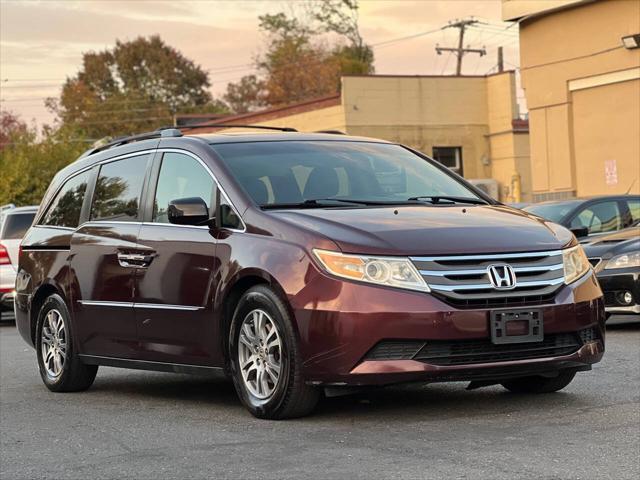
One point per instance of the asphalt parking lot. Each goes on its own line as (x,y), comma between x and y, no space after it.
(134,424)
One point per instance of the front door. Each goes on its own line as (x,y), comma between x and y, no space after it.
(103,253)
(174,291)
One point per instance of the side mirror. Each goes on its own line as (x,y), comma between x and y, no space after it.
(580,232)
(188,211)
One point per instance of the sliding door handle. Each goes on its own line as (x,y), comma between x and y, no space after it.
(136,260)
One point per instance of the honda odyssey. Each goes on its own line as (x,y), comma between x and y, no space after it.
(298,264)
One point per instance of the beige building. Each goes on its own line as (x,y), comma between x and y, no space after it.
(582,84)
(469,123)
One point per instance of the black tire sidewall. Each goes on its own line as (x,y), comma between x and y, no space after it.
(54,302)
(263,299)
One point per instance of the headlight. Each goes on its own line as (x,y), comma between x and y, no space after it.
(626,260)
(576,263)
(390,271)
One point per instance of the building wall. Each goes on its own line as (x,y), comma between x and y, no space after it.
(328,118)
(575,71)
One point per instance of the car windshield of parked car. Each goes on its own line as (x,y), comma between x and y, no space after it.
(552,211)
(295,172)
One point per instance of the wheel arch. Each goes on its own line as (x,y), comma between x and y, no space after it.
(236,287)
(44,291)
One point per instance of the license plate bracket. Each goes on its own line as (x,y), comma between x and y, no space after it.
(516,326)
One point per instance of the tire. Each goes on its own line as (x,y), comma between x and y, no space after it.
(63,371)
(539,384)
(279,391)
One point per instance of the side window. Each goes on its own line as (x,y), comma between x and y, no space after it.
(599,218)
(181,176)
(118,189)
(634,208)
(64,210)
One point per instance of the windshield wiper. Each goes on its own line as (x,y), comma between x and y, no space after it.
(435,199)
(326,202)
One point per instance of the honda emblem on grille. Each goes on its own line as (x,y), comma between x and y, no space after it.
(501,276)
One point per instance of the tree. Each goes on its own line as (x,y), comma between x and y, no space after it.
(245,95)
(137,85)
(28,163)
(299,64)
(342,17)
(10,126)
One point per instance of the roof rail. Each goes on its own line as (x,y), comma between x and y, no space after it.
(159,133)
(227,125)
(332,132)
(163,132)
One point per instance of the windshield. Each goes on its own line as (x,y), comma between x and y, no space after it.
(292,172)
(552,211)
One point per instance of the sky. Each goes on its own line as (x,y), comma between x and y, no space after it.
(42,41)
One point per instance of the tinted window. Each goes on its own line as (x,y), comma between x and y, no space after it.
(634,208)
(598,218)
(118,189)
(290,172)
(181,176)
(65,209)
(553,211)
(16,225)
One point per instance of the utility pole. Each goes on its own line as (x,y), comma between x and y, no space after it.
(460,51)
(500,60)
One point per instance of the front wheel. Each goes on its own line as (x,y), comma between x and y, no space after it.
(539,384)
(265,362)
(60,367)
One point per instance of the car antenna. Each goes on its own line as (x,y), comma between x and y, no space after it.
(631,186)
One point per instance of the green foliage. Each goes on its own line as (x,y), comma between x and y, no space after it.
(28,164)
(136,86)
(245,95)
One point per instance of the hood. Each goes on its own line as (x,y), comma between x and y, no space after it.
(607,246)
(430,230)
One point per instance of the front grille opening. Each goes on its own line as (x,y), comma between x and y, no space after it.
(496,302)
(483,351)
(467,352)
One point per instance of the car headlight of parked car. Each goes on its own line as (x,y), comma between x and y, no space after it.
(626,260)
(576,263)
(390,271)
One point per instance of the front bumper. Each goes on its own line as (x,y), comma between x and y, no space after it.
(342,324)
(614,283)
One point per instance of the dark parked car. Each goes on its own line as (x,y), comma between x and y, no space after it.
(591,217)
(616,260)
(294,263)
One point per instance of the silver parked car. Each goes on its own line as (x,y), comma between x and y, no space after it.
(14,222)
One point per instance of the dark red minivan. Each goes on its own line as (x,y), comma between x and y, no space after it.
(298,264)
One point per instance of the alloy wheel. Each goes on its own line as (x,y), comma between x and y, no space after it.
(54,343)
(260,354)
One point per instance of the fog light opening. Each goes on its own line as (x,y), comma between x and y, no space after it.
(625,297)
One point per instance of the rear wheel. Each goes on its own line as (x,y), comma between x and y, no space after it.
(60,367)
(265,362)
(539,384)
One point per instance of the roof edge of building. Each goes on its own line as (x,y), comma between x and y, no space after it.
(274,113)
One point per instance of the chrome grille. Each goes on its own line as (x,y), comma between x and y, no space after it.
(464,280)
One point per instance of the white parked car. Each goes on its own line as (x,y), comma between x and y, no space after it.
(14,222)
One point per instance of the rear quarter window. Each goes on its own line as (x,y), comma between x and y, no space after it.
(64,210)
